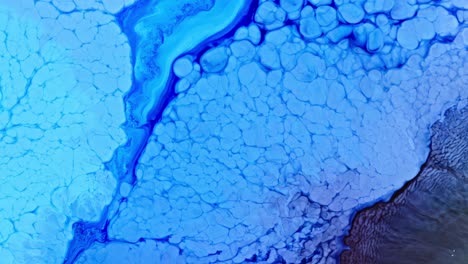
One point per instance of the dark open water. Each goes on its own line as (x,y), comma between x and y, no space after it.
(427,220)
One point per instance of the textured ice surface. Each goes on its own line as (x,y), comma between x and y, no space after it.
(427,221)
(201,131)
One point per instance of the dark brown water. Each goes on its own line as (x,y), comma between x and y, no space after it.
(427,220)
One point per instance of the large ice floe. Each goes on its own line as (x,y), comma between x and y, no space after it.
(214,131)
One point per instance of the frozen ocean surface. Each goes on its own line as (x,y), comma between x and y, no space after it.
(214,131)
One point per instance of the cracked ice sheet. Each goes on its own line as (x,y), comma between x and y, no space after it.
(263,155)
(61,84)
(163,36)
(279,134)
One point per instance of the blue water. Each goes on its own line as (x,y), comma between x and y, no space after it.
(214,130)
